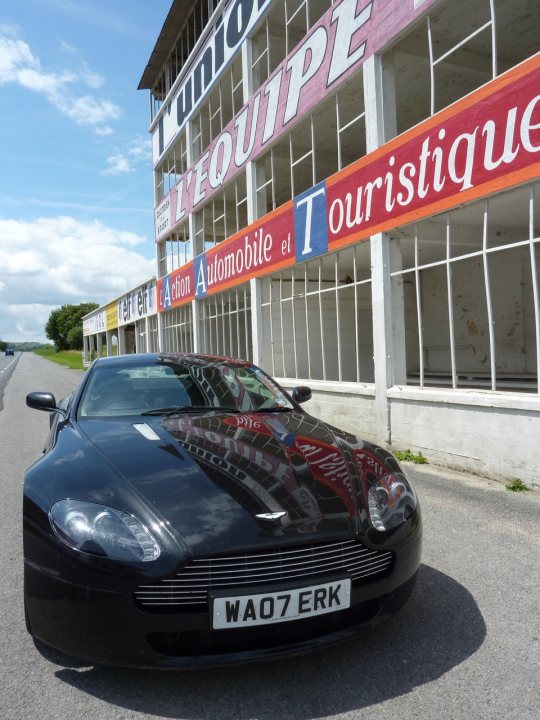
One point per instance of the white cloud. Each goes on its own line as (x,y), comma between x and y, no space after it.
(104,130)
(19,65)
(14,55)
(92,79)
(19,323)
(141,150)
(138,152)
(118,165)
(86,110)
(56,261)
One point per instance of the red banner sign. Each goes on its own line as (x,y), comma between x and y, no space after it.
(484,143)
(487,141)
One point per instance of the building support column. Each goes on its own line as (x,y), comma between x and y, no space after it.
(379,98)
(147,334)
(252,213)
(108,338)
(85,349)
(198,338)
(121,341)
(256,321)
(160,332)
(254,283)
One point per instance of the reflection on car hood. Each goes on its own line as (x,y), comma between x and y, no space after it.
(210,475)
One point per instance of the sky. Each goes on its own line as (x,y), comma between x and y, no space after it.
(76,199)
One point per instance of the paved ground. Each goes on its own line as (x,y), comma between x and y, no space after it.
(7,366)
(467,646)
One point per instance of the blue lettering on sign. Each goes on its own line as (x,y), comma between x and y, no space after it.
(166,292)
(199,267)
(311,223)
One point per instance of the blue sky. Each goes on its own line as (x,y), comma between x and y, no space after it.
(76,206)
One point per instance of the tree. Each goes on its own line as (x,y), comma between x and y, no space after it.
(64,319)
(75,337)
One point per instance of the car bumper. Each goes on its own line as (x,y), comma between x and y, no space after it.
(101,627)
(108,627)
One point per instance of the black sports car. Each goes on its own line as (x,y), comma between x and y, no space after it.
(187,511)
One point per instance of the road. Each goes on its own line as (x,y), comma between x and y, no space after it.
(467,646)
(7,365)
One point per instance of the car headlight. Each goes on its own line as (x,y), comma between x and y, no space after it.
(104,531)
(391,501)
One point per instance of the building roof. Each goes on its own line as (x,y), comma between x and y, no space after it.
(167,37)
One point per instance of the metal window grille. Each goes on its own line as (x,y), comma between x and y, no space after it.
(223,215)
(471,295)
(296,22)
(176,250)
(351,122)
(225,320)
(323,143)
(260,64)
(456,49)
(194,24)
(153,340)
(317,319)
(171,168)
(178,329)
(477,24)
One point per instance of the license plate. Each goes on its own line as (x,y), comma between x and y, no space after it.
(267,608)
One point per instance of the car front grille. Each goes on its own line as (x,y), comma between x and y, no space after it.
(190,586)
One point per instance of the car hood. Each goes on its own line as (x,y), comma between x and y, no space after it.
(210,475)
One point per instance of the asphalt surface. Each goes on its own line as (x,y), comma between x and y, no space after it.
(7,366)
(467,646)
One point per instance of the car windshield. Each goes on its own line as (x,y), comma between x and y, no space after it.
(166,387)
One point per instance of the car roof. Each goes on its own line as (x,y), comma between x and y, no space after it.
(191,358)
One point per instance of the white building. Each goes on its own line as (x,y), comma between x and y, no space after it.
(347,193)
(128,324)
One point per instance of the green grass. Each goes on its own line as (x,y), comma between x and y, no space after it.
(68,358)
(516,485)
(409,456)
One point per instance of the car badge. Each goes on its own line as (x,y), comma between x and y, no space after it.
(271,516)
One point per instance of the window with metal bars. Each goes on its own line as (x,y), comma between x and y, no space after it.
(285,24)
(330,138)
(153,339)
(317,319)
(223,103)
(171,168)
(175,251)
(457,48)
(223,215)
(225,322)
(177,326)
(470,284)
(196,21)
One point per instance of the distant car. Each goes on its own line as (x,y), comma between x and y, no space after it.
(9,351)
(187,511)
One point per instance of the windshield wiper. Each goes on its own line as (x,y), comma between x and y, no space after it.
(172,410)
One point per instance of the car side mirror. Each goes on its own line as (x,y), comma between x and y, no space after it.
(43,401)
(301,394)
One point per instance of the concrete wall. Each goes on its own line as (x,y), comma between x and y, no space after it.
(468,430)
(348,406)
(491,436)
